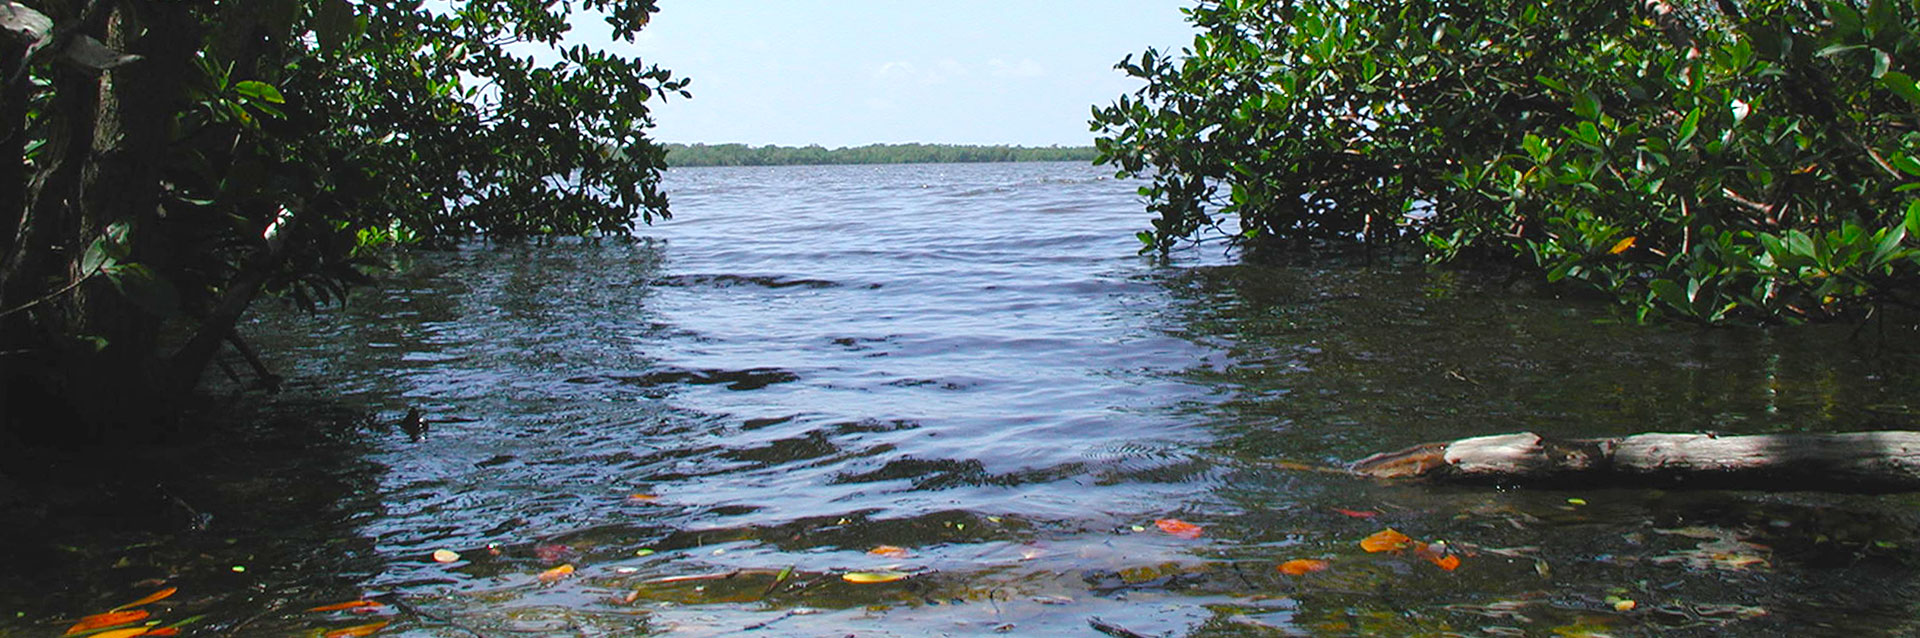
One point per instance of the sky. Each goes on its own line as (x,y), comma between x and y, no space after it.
(853,72)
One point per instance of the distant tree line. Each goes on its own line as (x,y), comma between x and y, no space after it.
(744,155)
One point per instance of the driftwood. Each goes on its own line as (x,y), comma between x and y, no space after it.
(1887,461)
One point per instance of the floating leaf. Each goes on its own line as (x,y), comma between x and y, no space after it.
(865,578)
(1178,527)
(890,551)
(1386,540)
(357,631)
(163,631)
(554,575)
(445,555)
(1440,553)
(1355,513)
(351,604)
(643,499)
(149,598)
(1621,246)
(1300,566)
(108,619)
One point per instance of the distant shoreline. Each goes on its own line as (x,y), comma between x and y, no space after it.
(744,155)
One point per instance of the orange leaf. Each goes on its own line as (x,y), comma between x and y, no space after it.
(1300,566)
(357,631)
(1386,540)
(153,597)
(1178,527)
(122,633)
(351,604)
(1356,513)
(164,631)
(1621,246)
(108,619)
(890,551)
(643,499)
(1440,554)
(554,575)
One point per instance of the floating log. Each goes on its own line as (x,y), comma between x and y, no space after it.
(1885,461)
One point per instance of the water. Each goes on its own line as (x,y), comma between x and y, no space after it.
(971,363)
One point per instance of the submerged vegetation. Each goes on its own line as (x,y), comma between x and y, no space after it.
(180,160)
(1710,161)
(744,155)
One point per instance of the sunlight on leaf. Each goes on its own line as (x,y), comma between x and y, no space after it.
(357,631)
(1621,246)
(1301,566)
(1178,528)
(149,598)
(554,575)
(108,619)
(1386,540)
(865,578)
(351,604)
(890,551)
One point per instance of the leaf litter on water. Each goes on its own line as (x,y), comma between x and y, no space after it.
(108,619)
(1179,528)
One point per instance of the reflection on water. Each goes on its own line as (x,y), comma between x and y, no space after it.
(714,422)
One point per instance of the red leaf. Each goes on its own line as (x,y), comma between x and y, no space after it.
(351,604)
(155,596)
(108,619)
(1178,527)
(1356,513)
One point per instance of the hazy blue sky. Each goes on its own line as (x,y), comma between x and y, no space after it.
(852,72)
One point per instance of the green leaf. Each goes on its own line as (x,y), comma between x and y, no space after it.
(260,91)
(1688,127)
(1901,84)
(1586,106)
(1906,163)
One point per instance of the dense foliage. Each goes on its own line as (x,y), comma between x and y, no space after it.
(1710,160)
(179,159)
(743,155)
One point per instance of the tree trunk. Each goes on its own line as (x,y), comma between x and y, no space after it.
(1874,462)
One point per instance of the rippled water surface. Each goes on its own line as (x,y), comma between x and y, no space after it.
(714,423)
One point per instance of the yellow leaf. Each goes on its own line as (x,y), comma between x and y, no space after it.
(108,619)
(1386,540)
(554,575)
(358,631)
(865,578)
(445,555)
(890,551)
(1300,566)
(153,597)
(1621,246)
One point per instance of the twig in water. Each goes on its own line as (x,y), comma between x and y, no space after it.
(1112,629)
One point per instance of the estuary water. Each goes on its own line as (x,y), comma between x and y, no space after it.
(964,382)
